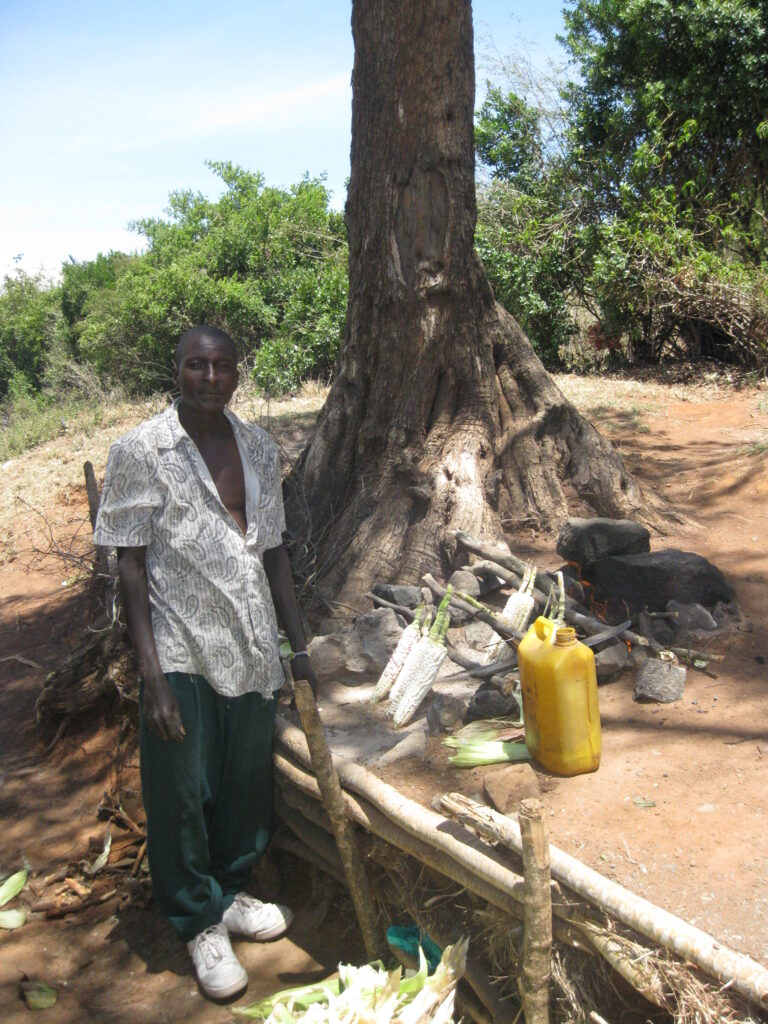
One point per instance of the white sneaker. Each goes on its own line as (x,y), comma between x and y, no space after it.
(218,970)
(253,919)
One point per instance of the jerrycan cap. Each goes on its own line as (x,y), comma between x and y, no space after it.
(565,637)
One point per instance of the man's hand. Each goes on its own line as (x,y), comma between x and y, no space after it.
(302,668)
(161,710)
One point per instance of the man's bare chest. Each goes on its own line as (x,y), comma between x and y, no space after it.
(222,457)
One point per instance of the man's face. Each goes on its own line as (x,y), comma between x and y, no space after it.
(207,374)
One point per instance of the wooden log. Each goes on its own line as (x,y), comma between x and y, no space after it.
(535,976)
(424,835)
(354,868)
(740,972)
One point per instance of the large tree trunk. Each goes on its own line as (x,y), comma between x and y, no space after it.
(441,416)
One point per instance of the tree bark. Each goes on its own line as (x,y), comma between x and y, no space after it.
(441,416)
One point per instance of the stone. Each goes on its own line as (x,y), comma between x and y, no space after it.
(610,663)
(586,541)
(505,787)
(444,713)
(651,580)
(358,652)
(655,629)
(466,581)
(398,593)
(480,638)
(660,681)
(691,617)
(488,702)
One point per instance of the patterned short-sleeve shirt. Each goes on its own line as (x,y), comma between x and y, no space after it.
(211,607)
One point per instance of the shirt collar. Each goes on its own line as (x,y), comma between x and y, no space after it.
(171,433)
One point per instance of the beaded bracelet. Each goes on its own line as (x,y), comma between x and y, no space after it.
(298,654)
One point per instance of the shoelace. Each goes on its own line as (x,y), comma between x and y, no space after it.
(210,943)
(246,903)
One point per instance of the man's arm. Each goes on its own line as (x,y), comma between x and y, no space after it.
(277,566)
(161,710)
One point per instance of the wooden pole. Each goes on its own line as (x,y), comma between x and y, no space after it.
(328,781)
(534,981)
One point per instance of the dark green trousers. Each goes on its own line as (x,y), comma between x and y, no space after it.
(208,801)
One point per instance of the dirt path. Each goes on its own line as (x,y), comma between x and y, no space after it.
(701,850)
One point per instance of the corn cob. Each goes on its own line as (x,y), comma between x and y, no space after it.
(421,667)
(408,638)
(517,611)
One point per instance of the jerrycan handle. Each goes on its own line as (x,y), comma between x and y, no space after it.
(545,629)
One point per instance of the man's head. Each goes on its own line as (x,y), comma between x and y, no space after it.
(206,368)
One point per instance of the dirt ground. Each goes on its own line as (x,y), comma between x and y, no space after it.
(700,850)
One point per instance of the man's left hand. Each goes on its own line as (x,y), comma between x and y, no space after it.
(302,668)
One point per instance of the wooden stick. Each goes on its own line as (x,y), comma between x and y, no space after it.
(328,780)
(139,858)
(496,622)
(534,980)
(744,975)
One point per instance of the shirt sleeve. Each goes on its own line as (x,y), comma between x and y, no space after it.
(129,497)
(269,509)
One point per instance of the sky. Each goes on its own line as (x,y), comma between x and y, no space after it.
(108,107)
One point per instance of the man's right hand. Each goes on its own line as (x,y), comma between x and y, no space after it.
(161,710)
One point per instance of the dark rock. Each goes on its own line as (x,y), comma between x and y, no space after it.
(655,629)
(586,541)
(505,787)
(466,581)
(689,617)
(660,681)
(397,593)
(651,580)
(729,615)
(610,663)
(444,713)
(357,653)
(488,702)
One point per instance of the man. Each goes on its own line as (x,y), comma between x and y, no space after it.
(192,502)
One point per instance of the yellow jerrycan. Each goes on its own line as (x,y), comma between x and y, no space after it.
(560,706)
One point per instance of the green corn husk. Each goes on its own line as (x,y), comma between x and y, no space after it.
(475,754)
(486,730)
(370,994)
(442,619)
(12,886)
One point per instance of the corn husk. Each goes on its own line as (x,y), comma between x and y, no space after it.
(370,995)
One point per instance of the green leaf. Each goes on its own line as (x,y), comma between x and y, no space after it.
(640,801)
(37,994)
(10,919)
(12,886)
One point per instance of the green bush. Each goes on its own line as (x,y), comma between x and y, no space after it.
(30,321)
(266,265)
